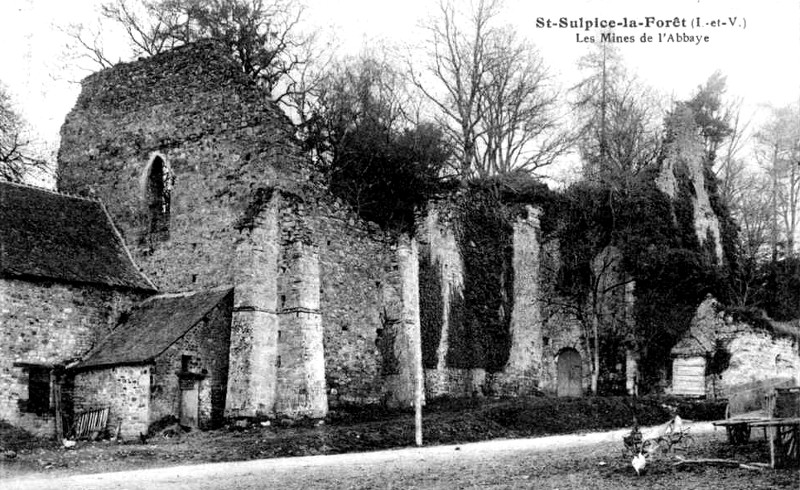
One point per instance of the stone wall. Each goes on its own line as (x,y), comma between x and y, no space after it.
(206,345)
(437,240)
(218,138)
(301,360)
(403,385)
(125,390)
(440,254)
(685,158)
(523,371)
(252,378)
(753,354)
(561,328)
(47,323)
(357,265)
(758,355)
(229,157)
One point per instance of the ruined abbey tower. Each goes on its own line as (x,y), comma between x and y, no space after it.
(204,181)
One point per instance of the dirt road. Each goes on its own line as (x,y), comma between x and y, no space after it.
(567,461)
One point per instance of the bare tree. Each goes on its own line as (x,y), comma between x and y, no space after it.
(729,167)
(86,44)
(752,210)
(619,129)
(264,36)
(17,160)
(363,90)
(491,91)
(149,25)
(778,152)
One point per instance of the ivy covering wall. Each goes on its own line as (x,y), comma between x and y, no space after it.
(479,315)
(431,308)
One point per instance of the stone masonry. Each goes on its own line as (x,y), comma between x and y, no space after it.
(239,204)
(48,323)
(523,371)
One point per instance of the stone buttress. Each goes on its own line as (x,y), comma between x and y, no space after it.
(252,374)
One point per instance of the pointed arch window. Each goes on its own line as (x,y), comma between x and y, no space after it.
(159,196)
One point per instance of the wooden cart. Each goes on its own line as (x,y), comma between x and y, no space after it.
(784,437)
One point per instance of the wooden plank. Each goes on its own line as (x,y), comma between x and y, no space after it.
(688,384)
(788,422)
(690,371)
(692,361)
(688,374)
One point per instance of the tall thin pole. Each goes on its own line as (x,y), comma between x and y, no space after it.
(418,414)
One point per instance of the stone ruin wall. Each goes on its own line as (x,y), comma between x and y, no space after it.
(561,329)
(49,323)
(755,355)
(218,138)
(360,283)
(685,154)
(759,355)
(523,371)
(757,358)
(437,239)
(246,209)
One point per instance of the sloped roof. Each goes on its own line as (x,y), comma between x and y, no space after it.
(153,326)
(695,343)
(56,236)
(701,338)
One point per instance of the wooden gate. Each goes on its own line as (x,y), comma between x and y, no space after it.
(570,373)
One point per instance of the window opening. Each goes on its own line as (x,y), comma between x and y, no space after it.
(38,389)
(159,196)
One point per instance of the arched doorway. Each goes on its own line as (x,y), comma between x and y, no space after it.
(570,373)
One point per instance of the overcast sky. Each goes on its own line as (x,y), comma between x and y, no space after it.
(760,54)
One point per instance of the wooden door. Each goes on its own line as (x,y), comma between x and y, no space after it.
(570,373)
(189,402)
(689,376)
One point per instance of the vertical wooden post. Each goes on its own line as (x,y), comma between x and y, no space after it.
(772,446)
(55,393)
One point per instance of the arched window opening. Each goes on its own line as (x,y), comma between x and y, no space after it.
(159,192)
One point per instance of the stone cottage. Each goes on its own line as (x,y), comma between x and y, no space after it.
(722,356)
(167,357)
(65,278)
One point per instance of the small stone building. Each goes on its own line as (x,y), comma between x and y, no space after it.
(65,277)
(167,358)
(722,356)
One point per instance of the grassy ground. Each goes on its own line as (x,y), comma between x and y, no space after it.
(445,422)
